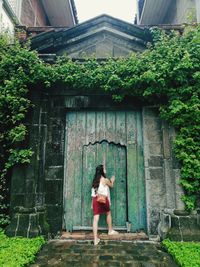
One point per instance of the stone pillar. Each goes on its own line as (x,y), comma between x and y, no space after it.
(154,168)
(168,168)
(54,166)
(28,215)
(176,173)
(162,172)
(28,222)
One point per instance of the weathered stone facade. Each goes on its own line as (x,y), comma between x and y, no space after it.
(161,169)
(37,189)
(102,37)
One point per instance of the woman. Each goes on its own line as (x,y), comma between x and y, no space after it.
(101,186)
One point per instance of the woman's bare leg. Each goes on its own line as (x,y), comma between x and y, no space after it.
(109,221)
(95,228)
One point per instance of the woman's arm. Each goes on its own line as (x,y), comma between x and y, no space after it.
(110,182)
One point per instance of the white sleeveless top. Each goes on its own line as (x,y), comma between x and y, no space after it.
(103,190)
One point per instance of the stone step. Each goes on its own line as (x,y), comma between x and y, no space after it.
(85,235)
(63,253)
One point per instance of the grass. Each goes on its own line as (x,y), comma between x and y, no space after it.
(18,251)
(186,254)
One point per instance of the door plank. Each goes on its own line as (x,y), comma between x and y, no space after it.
(110,168)
(110,126)
(70,170)
(100,126)
(141,178)
(89,157)
(80,140)
(90,127)
(120,128)
(120,185)
(132,178)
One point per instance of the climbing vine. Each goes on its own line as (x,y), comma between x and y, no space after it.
(19,69)
(166,74)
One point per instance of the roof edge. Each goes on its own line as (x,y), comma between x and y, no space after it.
(10,12)
(74,10)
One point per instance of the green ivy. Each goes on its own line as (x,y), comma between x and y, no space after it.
(19,69)
(17,251)
(166,74)
(186,254)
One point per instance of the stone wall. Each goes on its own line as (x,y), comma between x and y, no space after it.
(47,133)
(37,189)
(161,169)
(54,161)
(27,186)
(179,225)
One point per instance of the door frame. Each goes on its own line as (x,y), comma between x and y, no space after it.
(137,158)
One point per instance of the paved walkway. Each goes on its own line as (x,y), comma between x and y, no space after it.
(65,253)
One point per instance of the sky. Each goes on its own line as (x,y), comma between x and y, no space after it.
(122,9)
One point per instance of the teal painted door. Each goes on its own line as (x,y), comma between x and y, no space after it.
(110,138)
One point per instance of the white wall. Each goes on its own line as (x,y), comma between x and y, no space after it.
(198,10)
(16,7)
(6,24)
(181,11)
(186,11)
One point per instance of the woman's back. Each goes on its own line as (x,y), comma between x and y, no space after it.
(103,187)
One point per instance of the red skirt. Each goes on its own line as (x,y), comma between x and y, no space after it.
(100,208)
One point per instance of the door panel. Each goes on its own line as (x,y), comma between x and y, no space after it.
(114,158)
(113,138)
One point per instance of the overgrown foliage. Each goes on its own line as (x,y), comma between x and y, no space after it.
(166,74)
(186,254)
(17,251)
(19,68)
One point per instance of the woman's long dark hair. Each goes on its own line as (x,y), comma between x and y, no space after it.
(99,172)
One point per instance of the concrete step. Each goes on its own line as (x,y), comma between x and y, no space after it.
(85,235)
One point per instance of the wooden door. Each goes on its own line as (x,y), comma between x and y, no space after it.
(113,138)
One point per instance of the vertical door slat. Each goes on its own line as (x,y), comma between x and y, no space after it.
(120,128)
(70,171)
(89,159)
(132,170)
(100,126)
(110,126)
(120,184)
(141,178)
(80,140)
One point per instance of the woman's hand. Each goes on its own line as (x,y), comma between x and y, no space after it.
(112,179)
